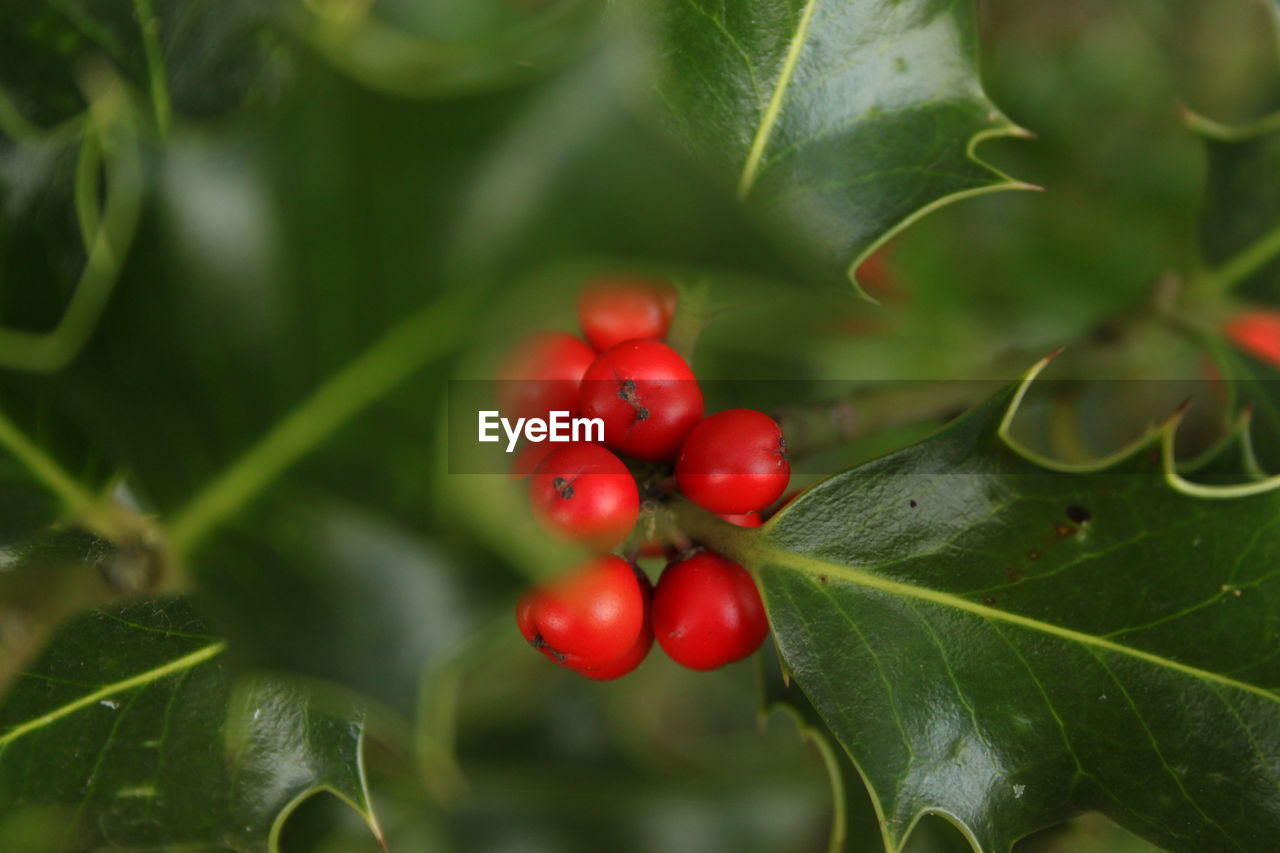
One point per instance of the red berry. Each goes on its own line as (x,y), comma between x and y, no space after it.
(541,374)
(742,519)
(530,457)
(1257,333)
(646,395)
(634,656)
(615,310)
(734,461)
(707,612)
(877,275)
(588,619)
(585,493)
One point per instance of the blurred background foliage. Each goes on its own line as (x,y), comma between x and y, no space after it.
(316,172)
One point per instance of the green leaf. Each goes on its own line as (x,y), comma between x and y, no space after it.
(198,59)
(445,49)
(841,122)
(854,821)
(1008,645)
(1258,389)
(131,726)
(1240,220)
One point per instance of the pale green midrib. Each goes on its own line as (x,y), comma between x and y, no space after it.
(752,167)
(811,565)
(185,662)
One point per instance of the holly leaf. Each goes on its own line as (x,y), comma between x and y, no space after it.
(198,59)
(445,49)
(839,122)
(1240,219)
(154,745)
(854,821)
(1008,645)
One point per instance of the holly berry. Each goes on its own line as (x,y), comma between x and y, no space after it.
(530,457)
(585,493)
(707,612)
(615,310)
(541,374)
(639,650)
(742,519)
(589,619)
(647,396)
(735,461)
(1257,333)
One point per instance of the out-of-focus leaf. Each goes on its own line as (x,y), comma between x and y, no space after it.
(1011,645)
(446,48)
(196,58)
(130,726)
(1224,56)
(1240,220)
(842,122)
(366,604)
(854,824)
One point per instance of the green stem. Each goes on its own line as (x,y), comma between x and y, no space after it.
(1247,262)
(708,529)
(45,469)
(98,514)
(112,131)
(158,80)
(816,427)
(403,350)
(88,207)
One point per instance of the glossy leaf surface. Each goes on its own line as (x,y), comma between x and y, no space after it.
(155,746)
(1009,645)
(841,122)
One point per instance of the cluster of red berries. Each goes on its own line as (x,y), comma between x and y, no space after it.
(602,618)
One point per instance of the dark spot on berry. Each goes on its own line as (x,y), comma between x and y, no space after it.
(782,450)
(1078,514)
(563,487)
(912,504)
(988,600)
(1033,555)
(541,645)
(627,392)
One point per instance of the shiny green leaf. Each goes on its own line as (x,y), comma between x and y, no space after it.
(1009,645)
(130,726)
(840,122)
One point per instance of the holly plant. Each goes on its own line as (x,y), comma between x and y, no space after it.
(878,406)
